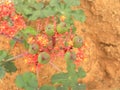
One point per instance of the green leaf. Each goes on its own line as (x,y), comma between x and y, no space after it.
(71,67)
(24,34)
(79,15)
(62,88)
(73,29)
(72,2)
(54,2)
(20,82)
(81,73)
(60,78)
(29,88)
(72,72)
(63,10)
(67,56)
(27,11)
(48,11)
(68,80)
(10,67)
(39,6)
(69,21)
(29,31)
(47,87)
(35,15)
(28,81)
(19,6)
(12,43)
(25,44)
(79,87)
(2,72)
(3,55)
(31,10)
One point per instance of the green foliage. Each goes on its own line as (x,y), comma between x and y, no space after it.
(29,8)
(70,78)
(34,10)
(65,10)
(81,73)
(12,43)
(47,12)
(60,78)
(62,88)
(47,87)
(72,2)
(3,55)
(27,81)
(10,67)
(79,87)
(43,58)
(6,66)
(28,31)
(2,72)
(25,43)
(73,29)
(79,15)
(54,2)
(23,35)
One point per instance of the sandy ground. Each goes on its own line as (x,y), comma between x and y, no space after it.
(101,32)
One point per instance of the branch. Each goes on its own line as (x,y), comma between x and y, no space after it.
(16,57)
(56,67)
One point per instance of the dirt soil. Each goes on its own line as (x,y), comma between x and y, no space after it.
(101,33)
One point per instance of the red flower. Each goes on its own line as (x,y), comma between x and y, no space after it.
(6,9)
(33,59)
(80,57)
(10,22)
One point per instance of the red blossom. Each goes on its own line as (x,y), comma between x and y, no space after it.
(6,9)
(33,59)
(80,57)
(10,22)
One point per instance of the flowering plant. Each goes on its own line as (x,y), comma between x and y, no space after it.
(52,35)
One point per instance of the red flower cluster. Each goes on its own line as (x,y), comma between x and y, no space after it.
(56,45)
(10,22)
(6,9)
(33,59)
(80,57)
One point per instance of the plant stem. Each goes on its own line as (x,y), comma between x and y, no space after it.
(53,41)
(56,67)
(15,57)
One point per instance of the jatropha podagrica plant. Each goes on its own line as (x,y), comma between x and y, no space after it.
(53,35)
